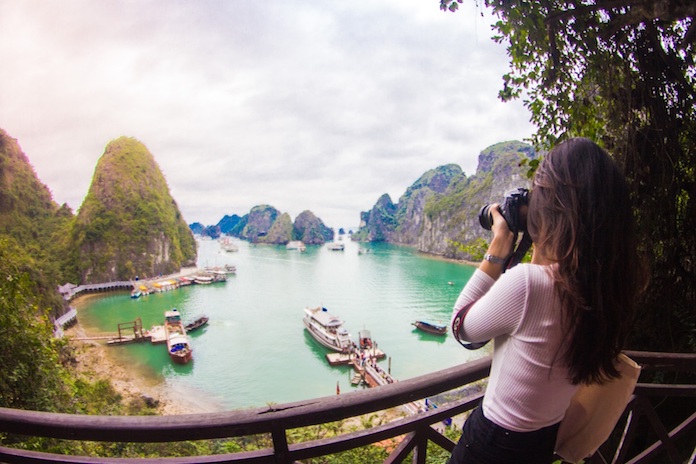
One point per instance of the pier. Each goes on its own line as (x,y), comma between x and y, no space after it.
(137,288)
(160,284)
(368,372)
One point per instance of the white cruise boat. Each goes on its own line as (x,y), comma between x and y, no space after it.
(327,329)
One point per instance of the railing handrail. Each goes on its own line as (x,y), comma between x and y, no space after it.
(416,430)
(240,422)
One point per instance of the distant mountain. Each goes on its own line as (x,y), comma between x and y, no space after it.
(227,223)
(265,224)
(280,231)
(311,230)
(258,222)
(438,214)
(129,225)
(197,228)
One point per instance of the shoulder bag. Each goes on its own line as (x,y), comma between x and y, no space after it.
(594,411)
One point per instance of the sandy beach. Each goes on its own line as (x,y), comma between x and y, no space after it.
(95,362)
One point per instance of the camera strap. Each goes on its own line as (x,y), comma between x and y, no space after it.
(516,257)
(457,325)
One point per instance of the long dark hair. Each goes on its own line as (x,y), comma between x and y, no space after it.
(580,218)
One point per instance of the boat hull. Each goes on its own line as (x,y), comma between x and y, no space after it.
(431,328)
(181,359)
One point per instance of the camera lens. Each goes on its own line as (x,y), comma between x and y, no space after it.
(485,217)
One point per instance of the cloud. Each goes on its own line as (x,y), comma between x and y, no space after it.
(297,104)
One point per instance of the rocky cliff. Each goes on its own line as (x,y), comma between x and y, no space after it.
(438,214)
(257,223)
(129,225)
(280,231)
(311,230)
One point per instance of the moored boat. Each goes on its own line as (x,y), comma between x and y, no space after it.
(198,323)
(203,279)
(228,246)
(365,339)
(327,329)
(178,345)
(430,328)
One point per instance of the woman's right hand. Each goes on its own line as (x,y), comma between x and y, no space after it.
(501,243)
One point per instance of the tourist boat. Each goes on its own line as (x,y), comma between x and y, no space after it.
(228,246)
(336,246)
(226,269)
(178,345)
(327,329)
(203,279)
(430,328)
(200,322)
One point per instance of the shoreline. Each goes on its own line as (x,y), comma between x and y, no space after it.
(95,362)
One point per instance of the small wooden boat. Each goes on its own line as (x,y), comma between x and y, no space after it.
(198,323)
(430,328)
(365,339)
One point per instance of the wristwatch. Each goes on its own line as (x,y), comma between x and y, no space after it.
(494,259)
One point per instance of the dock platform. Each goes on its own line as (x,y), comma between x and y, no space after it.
(157,334)
(339,359)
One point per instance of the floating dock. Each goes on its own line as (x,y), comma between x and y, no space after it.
(157,334)
(340,359)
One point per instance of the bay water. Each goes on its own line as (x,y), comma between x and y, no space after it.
(255,350)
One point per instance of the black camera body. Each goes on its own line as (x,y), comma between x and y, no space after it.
(513,208)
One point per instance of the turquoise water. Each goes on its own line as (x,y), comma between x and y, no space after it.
(255,350)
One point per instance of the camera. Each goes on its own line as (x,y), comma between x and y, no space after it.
(513,208)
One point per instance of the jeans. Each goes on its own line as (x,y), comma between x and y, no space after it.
(484,442)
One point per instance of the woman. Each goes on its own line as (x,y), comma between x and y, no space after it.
(559,321)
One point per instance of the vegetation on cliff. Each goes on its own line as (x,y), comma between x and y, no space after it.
(438,213)
(33,221)
(129,225)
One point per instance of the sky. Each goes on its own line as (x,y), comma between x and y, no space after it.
(302,105)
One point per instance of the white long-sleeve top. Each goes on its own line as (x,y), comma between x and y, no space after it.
(528,388)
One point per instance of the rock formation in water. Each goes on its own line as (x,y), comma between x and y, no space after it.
(227,223)
(311,230)
(129,225)
(438,214)
(265,224)
(280,232)
(257,223)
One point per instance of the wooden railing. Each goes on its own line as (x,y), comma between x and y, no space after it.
(414,431)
